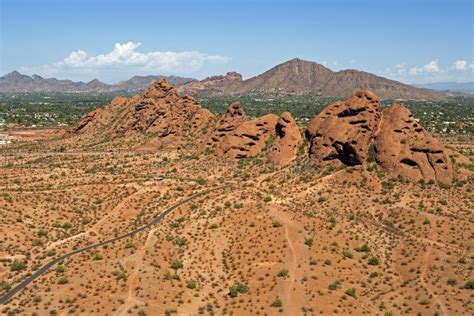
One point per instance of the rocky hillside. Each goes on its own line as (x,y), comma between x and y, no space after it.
(299,77)
(350,133)
(159,113)
(17,82)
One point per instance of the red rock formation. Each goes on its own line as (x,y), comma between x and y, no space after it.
(100,117)
(234,116)
(343,131)
(160,111)
(287,141)
(404,148)
(249,138)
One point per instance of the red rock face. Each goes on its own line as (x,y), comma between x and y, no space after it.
(163,112)
(342,132)
(100,117)
(159,111)
(249,138)
(287,141)
(404,148)
(234,116)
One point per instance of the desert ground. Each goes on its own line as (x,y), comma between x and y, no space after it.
(297,240)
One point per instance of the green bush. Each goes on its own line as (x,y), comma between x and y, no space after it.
(97,256)
(372,154)
(469,285)
(351,292)
(237,288)
(334,286)
(452,282)
(373,261)
(176,264)
(17,265)
(63,280)
(277,302)
(277,224)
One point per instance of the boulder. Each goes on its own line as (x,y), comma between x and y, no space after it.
(287,141)
(249,138)
(404,148)
(234,116)
(343,131)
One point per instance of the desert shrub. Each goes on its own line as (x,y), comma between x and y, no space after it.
(237,288)
(97,256)
(469,285)
(347,254)
(63,280)
(372,153)
(180,241)
(17,265)
(176,264)
(374,274)
(363,248)
(282,273)
(351,292)
(277,302)
(308,241)
(334,286)
(373,261)
(452,282)
(277,224)
(201,181)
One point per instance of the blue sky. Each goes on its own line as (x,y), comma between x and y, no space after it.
(408,40)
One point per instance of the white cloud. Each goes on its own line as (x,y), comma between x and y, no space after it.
(125,56)
(431,67)
(460,65)
(434,71)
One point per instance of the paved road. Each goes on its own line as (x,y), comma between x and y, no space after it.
(5,298)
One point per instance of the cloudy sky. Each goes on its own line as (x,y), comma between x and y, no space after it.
(414,41)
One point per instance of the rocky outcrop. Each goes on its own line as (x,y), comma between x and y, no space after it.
(404,148)
(249,138)
(100,117)
(159,112)
(287,141)
(212,85)
(234,116)
(342,132)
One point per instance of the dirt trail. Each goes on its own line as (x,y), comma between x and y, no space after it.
(137,260)
(427,259)
(290,304)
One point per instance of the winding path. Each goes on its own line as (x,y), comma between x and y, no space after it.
(5,298)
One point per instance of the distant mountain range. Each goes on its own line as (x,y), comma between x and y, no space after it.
(464,87)
(17,82)
(292,77)
(299,76)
